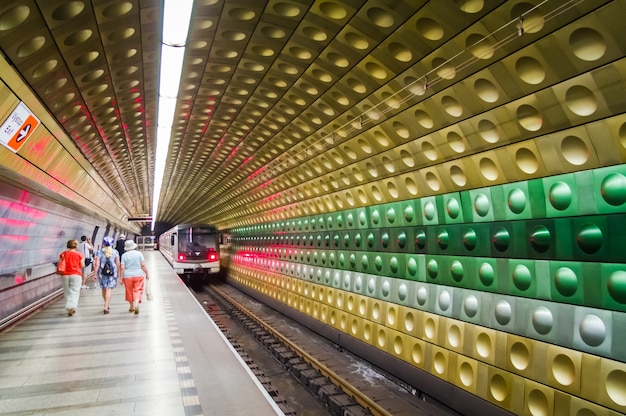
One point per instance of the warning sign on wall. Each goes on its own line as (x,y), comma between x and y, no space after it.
(18,127)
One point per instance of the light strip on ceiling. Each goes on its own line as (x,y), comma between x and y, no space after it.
(176,20)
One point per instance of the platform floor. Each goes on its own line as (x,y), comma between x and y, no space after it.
(170,359)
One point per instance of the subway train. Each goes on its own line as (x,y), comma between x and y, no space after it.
(193,250)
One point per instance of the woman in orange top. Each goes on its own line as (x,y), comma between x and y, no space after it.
(72,276)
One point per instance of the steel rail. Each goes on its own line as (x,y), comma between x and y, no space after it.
(349,389)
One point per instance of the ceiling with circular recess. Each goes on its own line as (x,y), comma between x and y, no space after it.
(292,108)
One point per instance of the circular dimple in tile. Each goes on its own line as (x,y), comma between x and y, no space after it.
(55,85)
(486,91)
(407,158)
(380,17)
(466,374)
(401,130)
(452,106)
(455,141)
(458,176)
(574,150)
(481,205)
(516,201)
(483,345)
(538,403)
(117,9)
(488,131)
(333,11)
(563,370)
(300,53)
(45,68)
(519,356)
(542,320)
(587,44)
(581,101)
(560,195)
(68,10)
(530,70)
(338,60)
(565,281)
(315,34)
(31,46)
(272,32)
(357,41)
(529,118)
(429,29)
(470,6)
(526,160)
(392,190)
(429,151)
(411,186)
(286,10)
(13,17)
(382,138)
(357,86)
(400,52)
(78,37)
(613,189)
(488,169)
(479,46)
(425,120)
(432,181)
(503,312)
(592,330)
(498,388)
(615,382)
(376,71)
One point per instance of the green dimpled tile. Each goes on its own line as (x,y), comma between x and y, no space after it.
(393,214)
(517,201)
(613,286)
(590,238)
(488,274)
(453,209)
(429,211)
(448,239)
(610,189)
(410,214)
(566,282)
(475,239)
(415,267)
(523,277)
(481,205)
(561,196)
(541,239)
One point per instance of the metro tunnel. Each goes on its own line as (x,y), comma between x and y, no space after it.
(440,183)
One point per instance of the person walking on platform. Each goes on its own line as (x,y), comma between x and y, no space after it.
(86,248)
(119,246)
(133,272)
(72,275)
(106,265)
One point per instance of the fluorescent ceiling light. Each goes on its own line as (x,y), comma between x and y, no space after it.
(176,21)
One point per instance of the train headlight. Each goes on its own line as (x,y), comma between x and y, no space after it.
(181,257)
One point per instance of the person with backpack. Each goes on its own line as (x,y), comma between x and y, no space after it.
(106,265)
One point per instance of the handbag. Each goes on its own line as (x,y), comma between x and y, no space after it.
(87,261)
(61,264)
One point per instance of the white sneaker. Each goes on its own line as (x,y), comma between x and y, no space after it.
(84,287)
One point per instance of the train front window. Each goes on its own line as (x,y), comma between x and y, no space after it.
(196,243)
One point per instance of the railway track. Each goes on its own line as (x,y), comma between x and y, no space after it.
(343,385)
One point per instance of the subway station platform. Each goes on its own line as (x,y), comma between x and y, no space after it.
(168,360)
